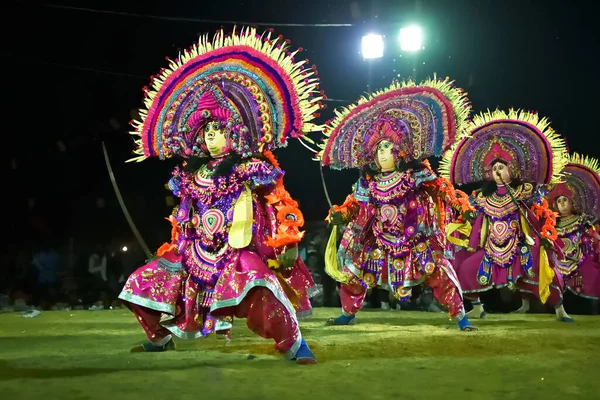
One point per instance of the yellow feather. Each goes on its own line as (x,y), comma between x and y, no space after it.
(586,161)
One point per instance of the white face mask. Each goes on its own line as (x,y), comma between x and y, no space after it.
(385,157)
(564,206)
(216,141)
(501,173)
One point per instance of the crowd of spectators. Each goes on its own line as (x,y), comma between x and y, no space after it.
(56,276)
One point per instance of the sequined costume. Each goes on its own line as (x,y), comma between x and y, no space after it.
(222,106)
(504,245)
(397,213)
(577,202)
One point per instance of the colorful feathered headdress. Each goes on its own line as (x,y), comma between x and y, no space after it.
(421,120)
(521,139)
(581,185)
(250,84)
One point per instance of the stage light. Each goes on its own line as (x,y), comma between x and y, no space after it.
(411,38)
(372,46)
(124,248)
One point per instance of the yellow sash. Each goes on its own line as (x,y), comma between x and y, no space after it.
(331,265)
(526,231)
(291,294)
(546,276)
(240,233)
(464,228)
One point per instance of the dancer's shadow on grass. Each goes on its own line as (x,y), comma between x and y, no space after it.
(209,368)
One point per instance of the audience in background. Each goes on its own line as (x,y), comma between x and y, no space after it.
(46,261)
(51,277)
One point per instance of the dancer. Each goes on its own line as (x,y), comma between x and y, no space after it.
(577,202)
(397,213)
(515,154)
(222,106)
(350,207)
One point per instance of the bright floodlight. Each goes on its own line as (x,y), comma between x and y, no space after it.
(372,46)
(411,38)
(124,248)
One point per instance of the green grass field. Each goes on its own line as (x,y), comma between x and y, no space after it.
(386,355)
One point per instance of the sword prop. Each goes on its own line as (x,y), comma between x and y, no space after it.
(325,186)
(122,203)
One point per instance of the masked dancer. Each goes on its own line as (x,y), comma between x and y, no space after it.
(516,155)
(399,207)
(221,107)
(577,202)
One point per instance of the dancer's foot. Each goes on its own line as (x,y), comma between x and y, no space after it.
(477,311)
(524,307)
(466,326)
(304,356)
(341,320)
(150,347)
(562,315)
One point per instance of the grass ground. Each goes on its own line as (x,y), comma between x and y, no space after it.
(386,355)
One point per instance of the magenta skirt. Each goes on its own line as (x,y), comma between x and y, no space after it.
(585,281)
(164,285)
(467,266)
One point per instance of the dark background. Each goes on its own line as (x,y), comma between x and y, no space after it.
(72,78)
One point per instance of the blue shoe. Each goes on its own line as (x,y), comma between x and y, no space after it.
(566,319)
(304,356)
(341,320)
(465,325)
(150,347)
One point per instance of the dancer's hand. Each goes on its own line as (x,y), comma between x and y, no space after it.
(547,244)
(469,215)
(288,257)
(337,218)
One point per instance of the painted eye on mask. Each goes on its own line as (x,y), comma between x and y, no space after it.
(384,146)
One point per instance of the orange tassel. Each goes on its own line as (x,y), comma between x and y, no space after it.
(165,248)
(174,228)
(549,232)
(347,208)
(288,232)
(549,216)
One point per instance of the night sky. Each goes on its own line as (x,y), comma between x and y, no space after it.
(73,77)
